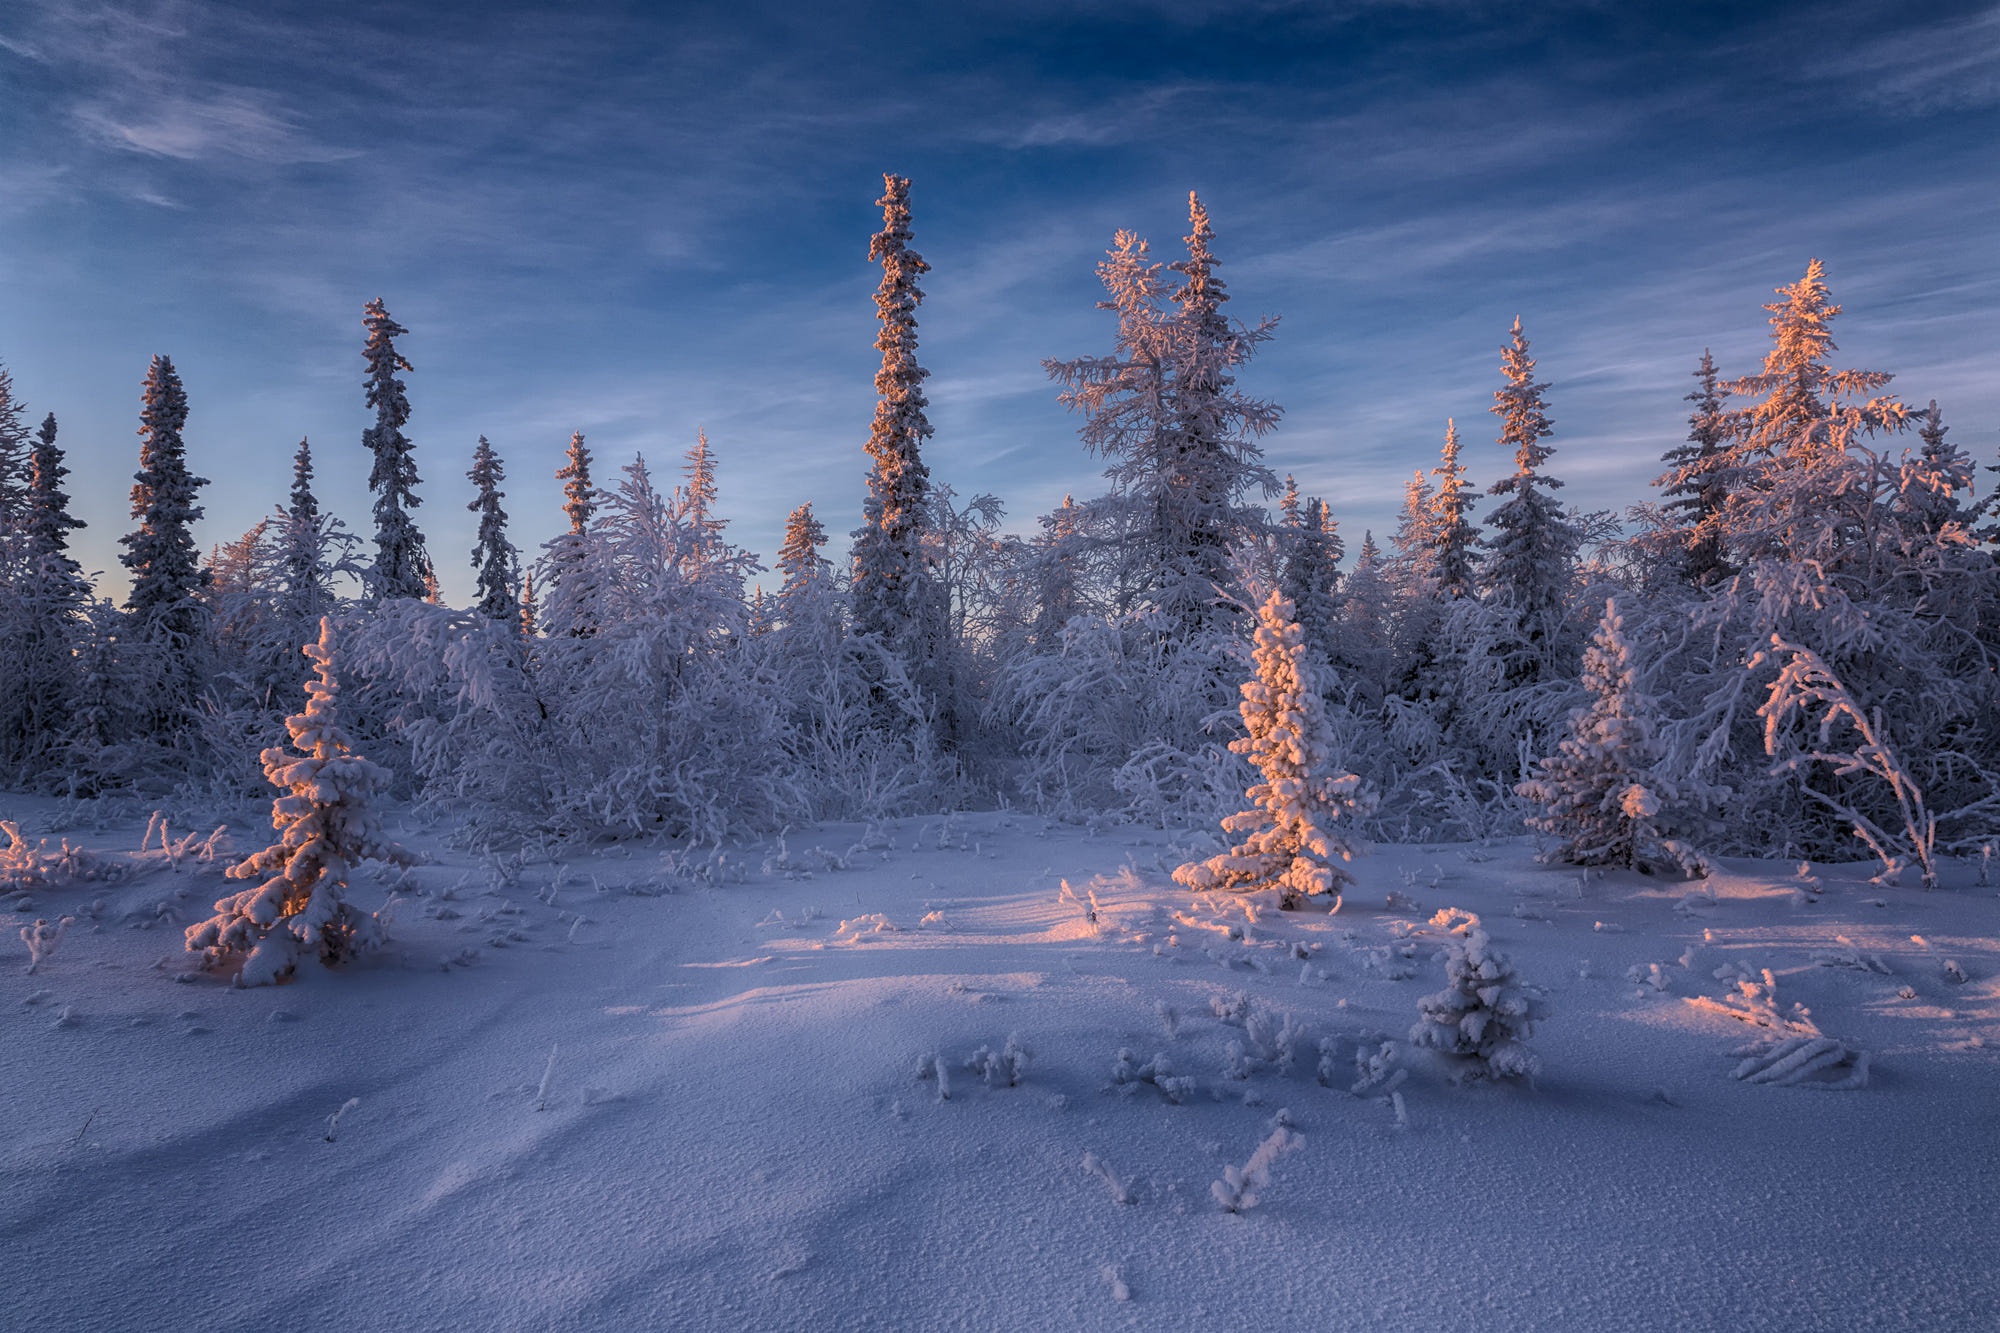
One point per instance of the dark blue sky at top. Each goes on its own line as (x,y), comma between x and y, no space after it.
(637,220)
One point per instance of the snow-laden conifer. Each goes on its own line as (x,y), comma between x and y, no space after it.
(313,547)
(1311,577)
(327,822)
(807,575)
(1181,437)
(1531,552)
(402,565)
(1697,481)
(1603,792)
(164,602)
(1293,845)
(493,556)
(1483,1016)
(43,620)
(14,450)
(571,571)
(889,590)
(1455,556)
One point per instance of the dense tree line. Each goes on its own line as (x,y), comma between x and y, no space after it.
(1790,651)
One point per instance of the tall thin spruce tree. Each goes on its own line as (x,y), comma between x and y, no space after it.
(1696,484)
(806,573)
(15,447)
(41,629)
(1456,560)
(1533,546)
(402,565)
(165,603)
(890,591)
(493,555)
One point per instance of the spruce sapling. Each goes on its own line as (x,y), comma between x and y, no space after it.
(326,823)
(1482,1016)
(1292,846)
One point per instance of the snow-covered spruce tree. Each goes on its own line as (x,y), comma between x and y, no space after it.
(1455,559)
(326,822)
(313,547)
(1293,845)
(1361,638)
(41,625)
(493,556)
(1696,483)
(1603,792)
(1483,1016)
(890,589)
(402,565)
(1055,574)
(1791,463)
(1533,546)
(1934,488)
(569,575)
(165,602)
(807,575)
(14,451)
(1311,578)
(1182,439)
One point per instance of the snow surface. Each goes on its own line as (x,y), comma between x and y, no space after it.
(736,1135)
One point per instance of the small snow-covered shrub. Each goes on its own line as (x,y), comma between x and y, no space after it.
(1482,1017)
(1003,1068)
(1127,1074)
(42,939)
(326,823)
(1238,1190)
(25,865)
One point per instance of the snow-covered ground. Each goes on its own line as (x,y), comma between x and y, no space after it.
(733,1133)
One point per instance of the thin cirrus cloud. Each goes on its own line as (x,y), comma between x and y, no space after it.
(600,217)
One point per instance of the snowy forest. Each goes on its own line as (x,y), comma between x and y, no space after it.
(1787,651)
(1118,805)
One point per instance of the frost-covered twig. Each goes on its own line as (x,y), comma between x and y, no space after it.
(333,1121)
(1949,966)
(1097,1166)
(1237,1191)
(548,1076)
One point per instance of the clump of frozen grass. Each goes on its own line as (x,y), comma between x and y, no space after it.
(1003,1068)
(1121,1191)
(1483,1016)
(1239,1189)
(42,939)
(1127,1074)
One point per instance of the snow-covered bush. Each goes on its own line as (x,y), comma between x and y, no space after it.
(326,823)
(42,938)
(1292,845)
(1483,1015)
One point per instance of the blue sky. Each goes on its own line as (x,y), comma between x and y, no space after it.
(636,220)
